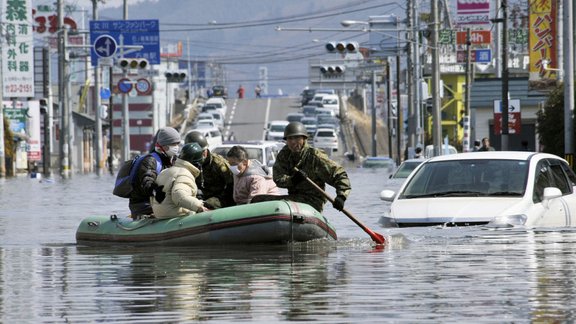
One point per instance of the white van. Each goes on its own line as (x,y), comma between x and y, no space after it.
(331,102)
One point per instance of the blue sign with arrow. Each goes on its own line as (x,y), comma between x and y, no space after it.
(145,33)
(105,46)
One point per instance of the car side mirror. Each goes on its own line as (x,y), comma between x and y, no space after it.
(550,193)
(387,195)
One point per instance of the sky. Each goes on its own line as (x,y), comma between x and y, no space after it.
(241,33)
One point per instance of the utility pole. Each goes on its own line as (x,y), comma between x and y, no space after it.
(389,103)
(468,86)
(2,147)
(125,107)
(97,104)
(568,82)
(374,137)
(436,117)
(62,81)
(504,75)
(410,80)
(399,121)
(417,72)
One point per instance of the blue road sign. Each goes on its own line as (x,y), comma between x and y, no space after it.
(145,33)
(104,46)
(105,93)
(482,56)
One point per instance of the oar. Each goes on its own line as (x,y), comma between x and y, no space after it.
(376,237)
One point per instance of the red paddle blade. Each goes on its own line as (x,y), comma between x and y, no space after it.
(378,238)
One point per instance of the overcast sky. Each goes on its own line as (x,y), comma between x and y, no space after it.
(241,33)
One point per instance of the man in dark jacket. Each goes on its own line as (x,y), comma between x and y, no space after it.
(312,163)
(166,148)
(216,181)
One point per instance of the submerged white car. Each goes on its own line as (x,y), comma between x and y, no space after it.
(499,189)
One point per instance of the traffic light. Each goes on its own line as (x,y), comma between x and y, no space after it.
(175,76)
(43,106)
(133,63)
(332,71)
(342,47)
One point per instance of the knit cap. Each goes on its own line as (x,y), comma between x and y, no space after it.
(167,136)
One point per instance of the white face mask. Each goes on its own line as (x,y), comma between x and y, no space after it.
(173,150)
(235,170)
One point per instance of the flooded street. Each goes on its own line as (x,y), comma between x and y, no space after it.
(423,274)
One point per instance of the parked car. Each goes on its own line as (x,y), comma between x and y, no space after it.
(331,102)
(499,189)
(311,123)
(205,123)
(309,111)
(327,139)
(325,119)
(218,104)
(317,100)
(379,162)
(446,149)
(263,151)
(275,130)
(307,95)
(294,117)
(213,136)
(321,111)
(218,119)
(219,91)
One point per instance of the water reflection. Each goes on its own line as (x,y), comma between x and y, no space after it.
(245,282)
(429,274)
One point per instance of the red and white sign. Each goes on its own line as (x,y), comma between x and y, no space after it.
(472,12)
(514,117)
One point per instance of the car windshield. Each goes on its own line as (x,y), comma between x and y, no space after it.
(277,128)
(468,178)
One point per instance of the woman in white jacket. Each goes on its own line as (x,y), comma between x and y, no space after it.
(177,196)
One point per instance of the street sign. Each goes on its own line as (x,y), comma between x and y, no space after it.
(145,33)
(514,117)
(477,37)
(143,86)
(478,56)
(105,93)
(125,85)
(105,46)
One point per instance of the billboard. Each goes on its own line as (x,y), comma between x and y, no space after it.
(542,40)
(472,12)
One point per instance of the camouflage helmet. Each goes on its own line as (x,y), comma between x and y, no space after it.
(196,137)
(295,129)
(192,152)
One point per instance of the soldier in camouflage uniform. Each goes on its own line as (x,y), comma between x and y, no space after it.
(216,180)
(312,163)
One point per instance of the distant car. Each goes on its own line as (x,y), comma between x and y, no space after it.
(309,111)
(294,117)
(219,103)
(311,123)
(219,91)
(321,111)
(379,162)
(263,151)
(275,130)
(446,149)
(218,119)
(205,123)
(331,102)
(317,100)
(325,91)
(307,95)
(326,138)
(325,119)
(498,189)
(406,168)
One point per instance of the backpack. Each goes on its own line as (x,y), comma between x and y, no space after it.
(127,174)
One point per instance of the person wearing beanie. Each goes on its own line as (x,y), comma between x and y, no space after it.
(166,148)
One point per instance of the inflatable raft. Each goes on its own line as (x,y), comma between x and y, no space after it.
(267,222)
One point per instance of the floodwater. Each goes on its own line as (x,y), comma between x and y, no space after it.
(448,275)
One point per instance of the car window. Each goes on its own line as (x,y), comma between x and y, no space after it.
(569,173)
(325,134)
(468,177)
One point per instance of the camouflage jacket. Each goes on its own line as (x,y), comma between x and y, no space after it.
(319,168)
(216,180)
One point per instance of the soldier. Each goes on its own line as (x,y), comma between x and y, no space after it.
(312,163)
(216,182)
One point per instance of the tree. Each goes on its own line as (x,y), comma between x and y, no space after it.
(550,126)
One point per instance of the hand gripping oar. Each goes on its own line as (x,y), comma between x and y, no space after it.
(376,237)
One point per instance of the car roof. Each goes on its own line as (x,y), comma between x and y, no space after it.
(499,155)
(325,129)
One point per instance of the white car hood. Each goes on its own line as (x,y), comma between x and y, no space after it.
(451,209)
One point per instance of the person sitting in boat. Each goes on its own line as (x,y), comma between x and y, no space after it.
(178,185)
(216,180)
(251,178)
(166,148)
(311,163)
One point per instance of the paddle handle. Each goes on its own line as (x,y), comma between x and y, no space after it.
(376,237)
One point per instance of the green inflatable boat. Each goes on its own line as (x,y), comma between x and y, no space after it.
(266,222)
